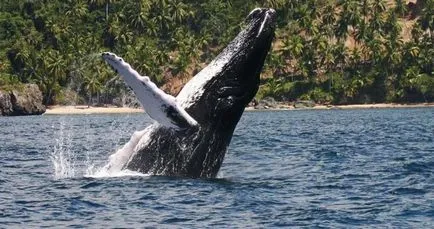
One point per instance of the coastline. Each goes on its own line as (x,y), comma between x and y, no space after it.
(66,110)
(348,107)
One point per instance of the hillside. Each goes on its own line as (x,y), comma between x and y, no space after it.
(327,51)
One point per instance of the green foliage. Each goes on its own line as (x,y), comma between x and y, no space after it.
(328,51)
(353,52)
(318,95)
(275,88)
(7,79)
(68,97)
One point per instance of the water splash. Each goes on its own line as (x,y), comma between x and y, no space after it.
(71,156)
(67,160)
(121,173)
(119,159)
(62,157)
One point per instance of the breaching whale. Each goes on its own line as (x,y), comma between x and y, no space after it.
(193,130)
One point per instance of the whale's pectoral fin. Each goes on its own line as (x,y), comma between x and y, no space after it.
(160,106)
(177,116)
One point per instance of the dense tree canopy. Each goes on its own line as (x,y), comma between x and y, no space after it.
(346,51)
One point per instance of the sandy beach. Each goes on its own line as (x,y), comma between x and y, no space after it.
(351,106)
(376,106)
(59,110)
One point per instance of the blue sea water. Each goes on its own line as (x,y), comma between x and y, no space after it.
(323,168)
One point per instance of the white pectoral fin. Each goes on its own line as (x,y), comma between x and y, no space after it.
(160,106)
(177,116)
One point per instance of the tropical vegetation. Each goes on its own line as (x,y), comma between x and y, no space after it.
(338,52)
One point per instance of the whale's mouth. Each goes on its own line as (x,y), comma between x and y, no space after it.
(263,19)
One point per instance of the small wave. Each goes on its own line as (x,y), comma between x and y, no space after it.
(419,167)
(92,184)
(79,202)
(173,220)
(408,191)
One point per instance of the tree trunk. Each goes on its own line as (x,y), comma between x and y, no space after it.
(106,10)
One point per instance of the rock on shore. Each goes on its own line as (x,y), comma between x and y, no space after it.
(26,101)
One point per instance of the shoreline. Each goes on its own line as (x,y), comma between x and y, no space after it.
(80,109)
(348,107)
(66,110)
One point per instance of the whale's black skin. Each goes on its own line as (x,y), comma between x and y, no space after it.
(199,151)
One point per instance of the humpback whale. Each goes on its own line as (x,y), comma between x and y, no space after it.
(193,130)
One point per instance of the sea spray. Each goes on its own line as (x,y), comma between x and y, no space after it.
(72,154)
(118,160)
(70,161)
(62,157)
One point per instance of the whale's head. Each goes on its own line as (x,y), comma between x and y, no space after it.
(218,94)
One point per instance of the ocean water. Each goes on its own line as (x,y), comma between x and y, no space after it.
(369,168)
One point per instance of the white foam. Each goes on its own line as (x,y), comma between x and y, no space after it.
(119,159)
(121,173)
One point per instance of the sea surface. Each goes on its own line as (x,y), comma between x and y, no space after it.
(370,168)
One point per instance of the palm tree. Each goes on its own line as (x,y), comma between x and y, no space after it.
(276,4)
(179,10)
(92,86)
(106,3)
(426,19)
(376,22)
(76,9)
(348,17)
(400,8)
(328,20)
